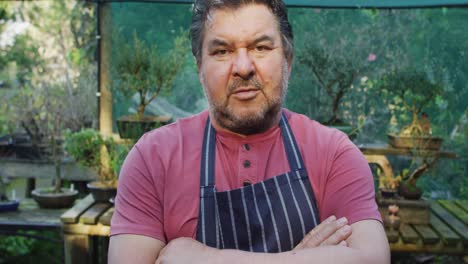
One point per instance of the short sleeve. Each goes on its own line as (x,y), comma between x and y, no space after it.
(349,189)
(138,205)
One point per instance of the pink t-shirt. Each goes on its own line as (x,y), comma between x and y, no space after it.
(158,193)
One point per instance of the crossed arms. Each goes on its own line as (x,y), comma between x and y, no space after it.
(333,241)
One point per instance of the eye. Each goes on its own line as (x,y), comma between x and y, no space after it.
(262,48)
(220,52)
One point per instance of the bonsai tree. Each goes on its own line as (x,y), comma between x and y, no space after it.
(338,58)
(388,183)
(412,90)
(143,69)
(334,74)
(41,113)
(90,149)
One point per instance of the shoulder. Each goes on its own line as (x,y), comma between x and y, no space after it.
(311,132)
(169,140)
(171,133)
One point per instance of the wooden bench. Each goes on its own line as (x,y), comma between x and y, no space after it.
(86,229)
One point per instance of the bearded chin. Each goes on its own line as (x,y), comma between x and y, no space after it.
(248,124)
(251,123)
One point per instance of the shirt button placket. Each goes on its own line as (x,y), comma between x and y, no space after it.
(246,165)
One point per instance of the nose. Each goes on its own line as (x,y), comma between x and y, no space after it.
(243,65)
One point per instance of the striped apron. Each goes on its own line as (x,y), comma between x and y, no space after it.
(269,216)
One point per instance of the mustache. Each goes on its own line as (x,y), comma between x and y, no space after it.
(252,82)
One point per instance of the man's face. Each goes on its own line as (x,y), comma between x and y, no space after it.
(243,69)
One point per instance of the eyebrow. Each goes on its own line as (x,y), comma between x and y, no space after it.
(219,42)
(216,43)
(262,39)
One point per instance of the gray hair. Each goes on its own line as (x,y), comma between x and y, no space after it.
(202,8)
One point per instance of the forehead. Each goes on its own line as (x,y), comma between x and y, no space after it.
(241,24)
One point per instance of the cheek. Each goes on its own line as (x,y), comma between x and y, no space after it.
(216,78)
(271,74)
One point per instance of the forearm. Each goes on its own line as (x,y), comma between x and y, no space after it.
(327,254)
(368,245)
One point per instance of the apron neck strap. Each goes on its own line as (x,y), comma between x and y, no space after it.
(290,145)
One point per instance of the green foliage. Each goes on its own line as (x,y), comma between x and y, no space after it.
(85,146)
(331,63)
(88,146)
(26,249)
(142,68)
(159,23)
(15,245)
(411,88)
(118,154)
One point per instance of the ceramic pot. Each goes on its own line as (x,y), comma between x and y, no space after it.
(47,199)
(410,193)
(102,192)
(388,193)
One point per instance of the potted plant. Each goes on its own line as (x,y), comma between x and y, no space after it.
(412,90)
(408,189)
(90,149)
(388,185)
(143,69)
(46,112)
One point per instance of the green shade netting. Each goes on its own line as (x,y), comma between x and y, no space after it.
(338,3)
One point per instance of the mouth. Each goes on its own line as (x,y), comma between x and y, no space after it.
(245,94)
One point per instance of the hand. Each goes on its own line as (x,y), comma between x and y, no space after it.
(185,250)
(329,232)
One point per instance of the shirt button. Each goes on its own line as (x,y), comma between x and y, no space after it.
(247,147)
(246,164)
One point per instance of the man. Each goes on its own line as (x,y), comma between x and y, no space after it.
(248,178)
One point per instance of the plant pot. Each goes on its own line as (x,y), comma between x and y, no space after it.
(47,199)
(102,191)
(409,192)
(131,127)
(388,193)
(9,205)
(415,142)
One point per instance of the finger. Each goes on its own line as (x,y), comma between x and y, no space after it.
(328,230)
(320,234)
(316,229)
(343,243)
(337,237)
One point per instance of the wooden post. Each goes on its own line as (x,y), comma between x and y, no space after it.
(105,48)
(30,186)
(78,249)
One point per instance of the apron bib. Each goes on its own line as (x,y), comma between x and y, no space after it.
(271,216)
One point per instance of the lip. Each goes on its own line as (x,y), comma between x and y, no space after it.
(245,94)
